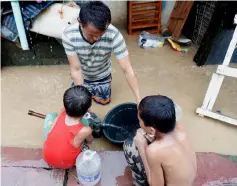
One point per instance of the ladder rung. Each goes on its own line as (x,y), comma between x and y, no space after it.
(135,26)
(143,5)
(134,20)
(151,31)
(142,12)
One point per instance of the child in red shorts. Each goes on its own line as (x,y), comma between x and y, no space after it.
(64,141)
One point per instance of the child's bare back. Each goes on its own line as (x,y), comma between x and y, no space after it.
(168,159)
(175,157)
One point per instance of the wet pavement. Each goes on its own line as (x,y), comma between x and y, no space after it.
(25,167)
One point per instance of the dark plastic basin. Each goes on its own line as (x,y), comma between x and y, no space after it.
(124,116)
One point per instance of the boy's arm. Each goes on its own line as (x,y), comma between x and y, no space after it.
(83,134)
(156,176)
(152,166)
(89,139)
(142,153)
(142,144)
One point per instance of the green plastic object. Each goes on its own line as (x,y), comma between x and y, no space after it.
(84,121)
(49,121)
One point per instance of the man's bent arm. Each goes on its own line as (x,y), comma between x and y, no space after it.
(73,59)
(75,70)
(126,66)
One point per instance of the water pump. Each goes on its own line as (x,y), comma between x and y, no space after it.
(95,123)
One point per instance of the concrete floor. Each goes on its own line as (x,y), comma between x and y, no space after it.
(25,167)
(159,71)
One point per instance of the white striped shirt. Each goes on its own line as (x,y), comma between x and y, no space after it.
(95,59)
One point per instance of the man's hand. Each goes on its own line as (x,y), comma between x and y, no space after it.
(140,140)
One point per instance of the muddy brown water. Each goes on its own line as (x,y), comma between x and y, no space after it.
(159,71)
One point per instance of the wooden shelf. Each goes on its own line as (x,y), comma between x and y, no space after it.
(142,12)
(149,19)
(152,30)
(135,26)
(145,4)
(144,16)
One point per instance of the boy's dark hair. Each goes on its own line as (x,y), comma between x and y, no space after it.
(158,112)
(77,100)
(95,13)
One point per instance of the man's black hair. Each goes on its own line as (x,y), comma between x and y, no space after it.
(158,112)
(77,100)
(96,13)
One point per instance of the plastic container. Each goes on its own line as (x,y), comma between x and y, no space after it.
(147,40)
(48,123)
(178,112)
(88,166)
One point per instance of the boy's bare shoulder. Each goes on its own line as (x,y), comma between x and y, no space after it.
(85,130)
(155,150)
(153,156)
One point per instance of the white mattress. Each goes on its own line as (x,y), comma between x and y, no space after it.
(49,22)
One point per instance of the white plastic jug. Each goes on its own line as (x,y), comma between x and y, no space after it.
(178,112)
(88,165)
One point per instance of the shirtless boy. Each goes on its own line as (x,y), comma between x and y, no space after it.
(168,159)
